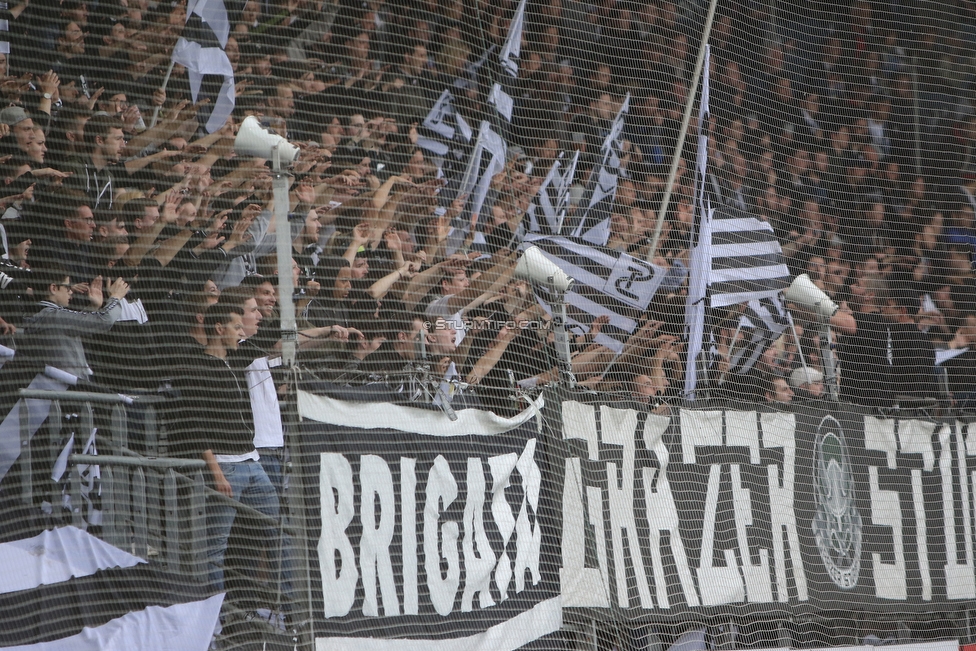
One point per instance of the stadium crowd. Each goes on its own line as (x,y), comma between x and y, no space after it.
(140,253)
(818,132)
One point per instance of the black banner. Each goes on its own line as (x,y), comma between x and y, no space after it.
(482,530)
(428,529)
(714,511)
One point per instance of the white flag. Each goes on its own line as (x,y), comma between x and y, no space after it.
(553,196)
(478,178)
(608,283)
(701,255)
(513,44)
(601,190)
(444,134)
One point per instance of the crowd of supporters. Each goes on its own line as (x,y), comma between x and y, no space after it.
(848,128)
(139,252)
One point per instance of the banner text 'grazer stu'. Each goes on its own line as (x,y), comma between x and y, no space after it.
(724,508)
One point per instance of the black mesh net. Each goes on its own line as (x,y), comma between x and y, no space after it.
(730,244)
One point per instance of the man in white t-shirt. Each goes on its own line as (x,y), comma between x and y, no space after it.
(269,437)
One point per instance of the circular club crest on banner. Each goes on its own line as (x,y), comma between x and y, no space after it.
(837,523)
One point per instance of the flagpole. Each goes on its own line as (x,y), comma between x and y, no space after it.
(799,348)
(169,71)
(563,197)
(679,146)
(593,179)
(700,264)
(827,360)
(735,338)
(475,155)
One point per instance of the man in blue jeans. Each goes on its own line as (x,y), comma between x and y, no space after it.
(216,423)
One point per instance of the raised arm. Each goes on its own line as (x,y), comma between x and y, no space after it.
(460,301)
(167,215)
(488,361)
(85,323)
(381,287)
(423,282)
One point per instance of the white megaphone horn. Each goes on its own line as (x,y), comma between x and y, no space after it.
(254,141)
(537,268)
(804,293)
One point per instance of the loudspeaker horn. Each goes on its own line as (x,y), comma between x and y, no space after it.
(255,141)
(804,293)
(535,267)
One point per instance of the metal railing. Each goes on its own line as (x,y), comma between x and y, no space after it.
(143,510)
(153,507)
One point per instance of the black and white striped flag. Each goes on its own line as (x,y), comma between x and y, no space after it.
(5,45)
(763,321)
(547,211)
(65,589)
(200,49)
(735,256)
(607,283)
(601,189)
(700,260)
(509,60)
(746,259)
(600,194)
(443,128)
(487,159)
(509,56)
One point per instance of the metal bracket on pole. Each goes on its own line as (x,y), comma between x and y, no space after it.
(830,368)
(563,351)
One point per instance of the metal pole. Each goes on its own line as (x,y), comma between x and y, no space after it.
(562,204)
(679,146)
(286,287)
(461,225)
(472,161)
(799,348)
(563,351)
(294,498)
(830,369)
